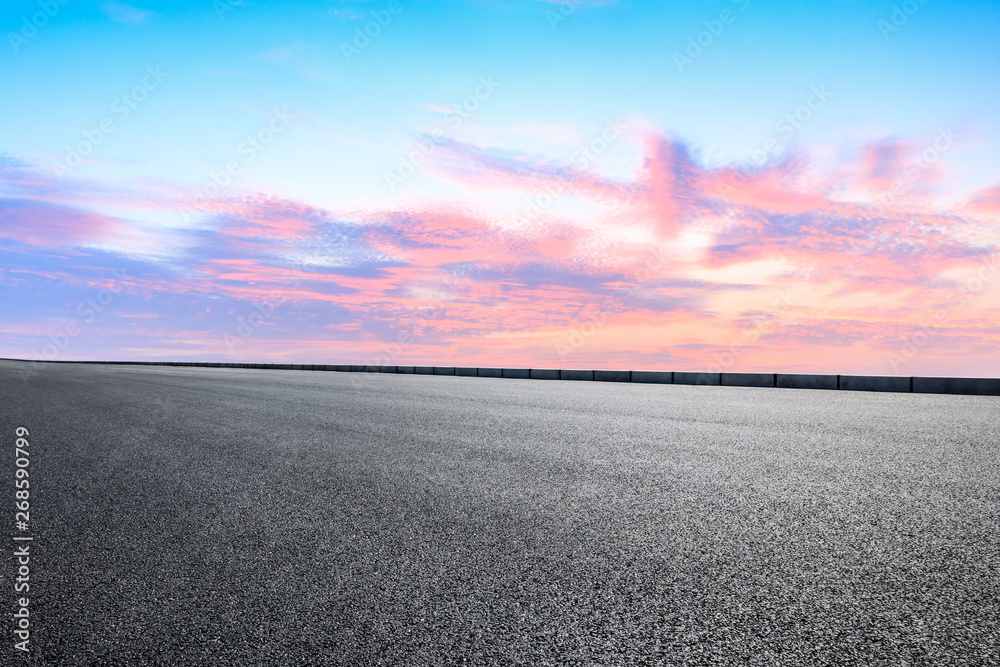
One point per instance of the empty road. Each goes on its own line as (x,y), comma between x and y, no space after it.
(191,516)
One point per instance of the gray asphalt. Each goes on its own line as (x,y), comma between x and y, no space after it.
(241,517)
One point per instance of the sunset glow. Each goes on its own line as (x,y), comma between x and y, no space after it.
(515,183)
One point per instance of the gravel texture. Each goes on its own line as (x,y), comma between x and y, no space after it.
(189,516)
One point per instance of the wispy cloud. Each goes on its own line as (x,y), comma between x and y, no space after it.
(122,13)
(465,286)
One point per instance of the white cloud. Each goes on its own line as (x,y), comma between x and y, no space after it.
(122,13)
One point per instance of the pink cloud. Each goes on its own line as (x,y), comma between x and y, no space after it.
(49,224)
(986,203)
(462,288)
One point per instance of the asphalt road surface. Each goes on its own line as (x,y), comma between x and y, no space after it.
(242,517)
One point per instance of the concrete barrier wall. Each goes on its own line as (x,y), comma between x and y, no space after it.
(874,383)
(748,379)
(973,386)
(797,381)
(921,385)
(653,377)
(697,378)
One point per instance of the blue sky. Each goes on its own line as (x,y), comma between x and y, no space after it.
(892,77)
(601,61)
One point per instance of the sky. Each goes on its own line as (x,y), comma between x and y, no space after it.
(729,186)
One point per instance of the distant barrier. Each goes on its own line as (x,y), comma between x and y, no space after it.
(916,385)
